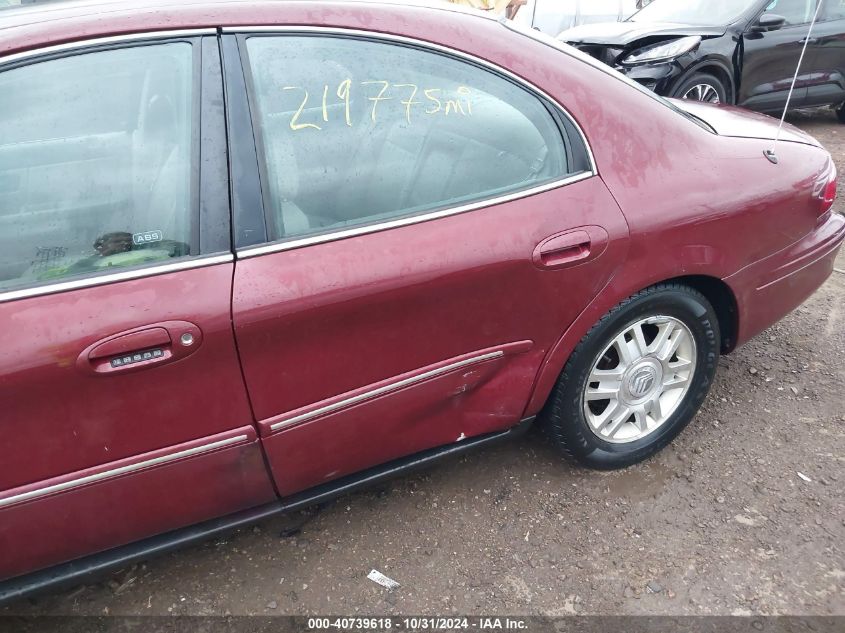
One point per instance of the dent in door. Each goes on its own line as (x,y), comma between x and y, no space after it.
(458,398)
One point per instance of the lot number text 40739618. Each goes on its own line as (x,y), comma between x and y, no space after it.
(426,623)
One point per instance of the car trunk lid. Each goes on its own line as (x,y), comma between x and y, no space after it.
(740,123)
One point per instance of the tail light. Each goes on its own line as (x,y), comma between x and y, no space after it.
(826,187)
(829,193)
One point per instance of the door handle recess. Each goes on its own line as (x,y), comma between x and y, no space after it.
(571,248)
(566,249)
(141,348)
(156,337)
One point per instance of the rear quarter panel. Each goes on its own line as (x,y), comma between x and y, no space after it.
(696,203)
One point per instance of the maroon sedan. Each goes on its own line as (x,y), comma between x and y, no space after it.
(254,254)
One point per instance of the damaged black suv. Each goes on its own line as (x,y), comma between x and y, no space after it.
(741,52)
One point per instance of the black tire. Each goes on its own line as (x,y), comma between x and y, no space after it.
(702,79)
(564,416)
(840,113)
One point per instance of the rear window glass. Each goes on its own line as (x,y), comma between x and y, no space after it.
(356,132)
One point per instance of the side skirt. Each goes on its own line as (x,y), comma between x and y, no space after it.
(95,566)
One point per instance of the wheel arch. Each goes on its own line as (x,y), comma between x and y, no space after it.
(723,300)
(715,67)
(715,290)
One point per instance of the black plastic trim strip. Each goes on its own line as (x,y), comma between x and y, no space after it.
(249,227)
(214,224)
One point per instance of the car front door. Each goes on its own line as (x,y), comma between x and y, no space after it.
(433,225)
(825,57)
(769,58)
(122,408)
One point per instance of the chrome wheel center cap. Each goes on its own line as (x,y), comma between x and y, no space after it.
(642,380)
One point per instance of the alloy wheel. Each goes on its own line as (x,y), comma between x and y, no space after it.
(702,92)
(640,379)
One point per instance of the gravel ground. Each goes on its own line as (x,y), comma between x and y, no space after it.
(743,514)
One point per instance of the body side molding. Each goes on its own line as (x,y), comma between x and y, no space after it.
(91,567)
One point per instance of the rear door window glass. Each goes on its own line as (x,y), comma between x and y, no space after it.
(357,132)
(95,163)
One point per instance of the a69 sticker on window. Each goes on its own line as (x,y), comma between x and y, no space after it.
(147,237)
(415,100)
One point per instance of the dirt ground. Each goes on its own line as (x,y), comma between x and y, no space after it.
(743,514)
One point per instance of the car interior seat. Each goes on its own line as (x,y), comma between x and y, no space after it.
(161,170)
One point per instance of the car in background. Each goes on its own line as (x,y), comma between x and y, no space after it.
(256,254)
(741,52)
(553,16)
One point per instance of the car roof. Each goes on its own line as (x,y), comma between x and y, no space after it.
(47,10)
(58,21)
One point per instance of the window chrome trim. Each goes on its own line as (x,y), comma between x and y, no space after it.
(276,247)
(122,470)
(402,39)
(126,275)
(399,384)
(102,41)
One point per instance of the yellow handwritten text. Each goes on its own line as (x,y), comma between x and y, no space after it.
(380,96)
(294,125)
(409,102)
(343,93)
(437,101)
(429,93)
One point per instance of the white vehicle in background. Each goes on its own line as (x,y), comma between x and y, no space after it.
(554,16)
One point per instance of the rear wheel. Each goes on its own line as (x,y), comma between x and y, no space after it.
(702,87)
(637,379)
(840,113)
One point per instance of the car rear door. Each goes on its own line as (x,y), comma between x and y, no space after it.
(430,226)
(769,59)
(825,57)
(124,413)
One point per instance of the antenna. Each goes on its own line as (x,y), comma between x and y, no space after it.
(770,153)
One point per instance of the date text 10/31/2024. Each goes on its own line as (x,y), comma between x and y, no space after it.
(432,101)
(417,623)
